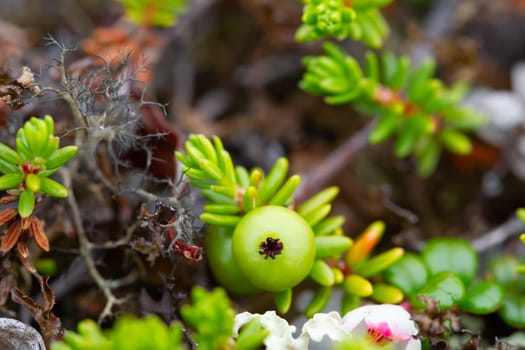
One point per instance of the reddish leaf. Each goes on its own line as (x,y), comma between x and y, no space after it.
(37,230)
(11,237)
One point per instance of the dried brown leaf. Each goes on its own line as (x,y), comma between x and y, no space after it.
(37,230)
(23,250)
(24,259)
(25,222)
(7,214)
(50,324)
(11,237)
(8,199)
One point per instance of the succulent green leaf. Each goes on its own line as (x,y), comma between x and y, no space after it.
(197,175)
(331,246)
(333,85)
(321,298)
(399,77)
(446,287)
(251,336)
(32,182)
(36,135)
(368,4)
(342,98)
(52,188)
(386,294)
(418,79)
(26,203)
(207,148)
(483,297)
(328,65)
(211,316)
(220,220)
(285,193)
(61,156)
(318,200)
(274,179)
(251,199)
(256,177)
(22,146)
(389,67)
(51,146)
(384,128)
(328,225)
(8,168)
(185,160)
(349,302)
(9,155)
(451,254)
(316,216)
(220,194)
(463,118)
(371,36)
(50,124)
(194,153)
(371,66)
(408,274)
(410,131)
(283,300)
(322,273)
(379,262)
(11,180)
(335,52)
(242,177)
(222,208)
(428,157)
(214,173)
(358,285)
(455,141)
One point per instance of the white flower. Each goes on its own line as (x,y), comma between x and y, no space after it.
(383,323)
(280,336)
(329,324)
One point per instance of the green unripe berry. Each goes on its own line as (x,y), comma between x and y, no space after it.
(274,247)
(222,265)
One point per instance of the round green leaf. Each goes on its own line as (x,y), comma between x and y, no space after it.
(451,254)
(483,298)
(26,203)
(513,310)
(446,287)
(503,269)
(408,274)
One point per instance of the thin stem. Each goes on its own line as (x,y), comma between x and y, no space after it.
(335,162)
(498,235)
(85,248)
